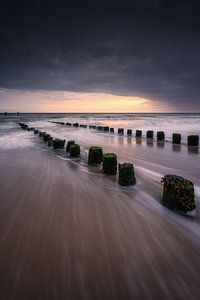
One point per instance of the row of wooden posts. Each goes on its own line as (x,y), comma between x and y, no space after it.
(192,140)
(178,192)
(95,157)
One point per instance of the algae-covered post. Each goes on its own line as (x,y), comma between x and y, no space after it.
(23,126)
(160,135)
(126,174)
(42,133)
(110,163)
(69,143)
(95,155)
(120,131)
(92,127)
(176,138)
(106,128)
(178,193)
(74,150)
(50,141)
(193,140)
(36,131)
(46,137)
(138,134)
(149,134)
(58,144)
(129,131)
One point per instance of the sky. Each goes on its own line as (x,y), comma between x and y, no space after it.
(100,56)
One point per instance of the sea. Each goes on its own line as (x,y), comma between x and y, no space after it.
(183,123)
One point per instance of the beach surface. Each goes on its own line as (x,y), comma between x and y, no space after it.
(67,231)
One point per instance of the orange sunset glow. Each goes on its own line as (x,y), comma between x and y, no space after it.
(60,101)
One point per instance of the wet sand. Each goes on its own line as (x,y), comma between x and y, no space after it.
(68,232)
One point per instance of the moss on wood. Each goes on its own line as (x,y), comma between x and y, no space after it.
(69,143)
(149,134)
(138,133)
(121,131)
(176,138)
(46,137)
(126,174)
(58,144)
(50,141)
(110,163)
(74,150)
(178,193)
(160,135)
(42,133)
(95,155)
(193,140)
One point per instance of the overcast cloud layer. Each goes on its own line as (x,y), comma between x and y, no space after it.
(140,48)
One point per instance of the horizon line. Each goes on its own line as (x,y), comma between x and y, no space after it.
(167,112)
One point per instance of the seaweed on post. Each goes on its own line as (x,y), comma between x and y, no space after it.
(110,163)
(138,134)
(58,144)
(106,128)
(95,155)
(178,193)
(160,135)
(129,132)
(42,133)
(50,142)
(126,174)
(176,138)
(149,134)
(120,131)
(193,140)
(46,137)
(69,143)
(36,131)
(74,150)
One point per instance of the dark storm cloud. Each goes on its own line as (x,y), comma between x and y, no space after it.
(142,48)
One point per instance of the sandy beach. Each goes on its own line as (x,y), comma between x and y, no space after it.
(70,232)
